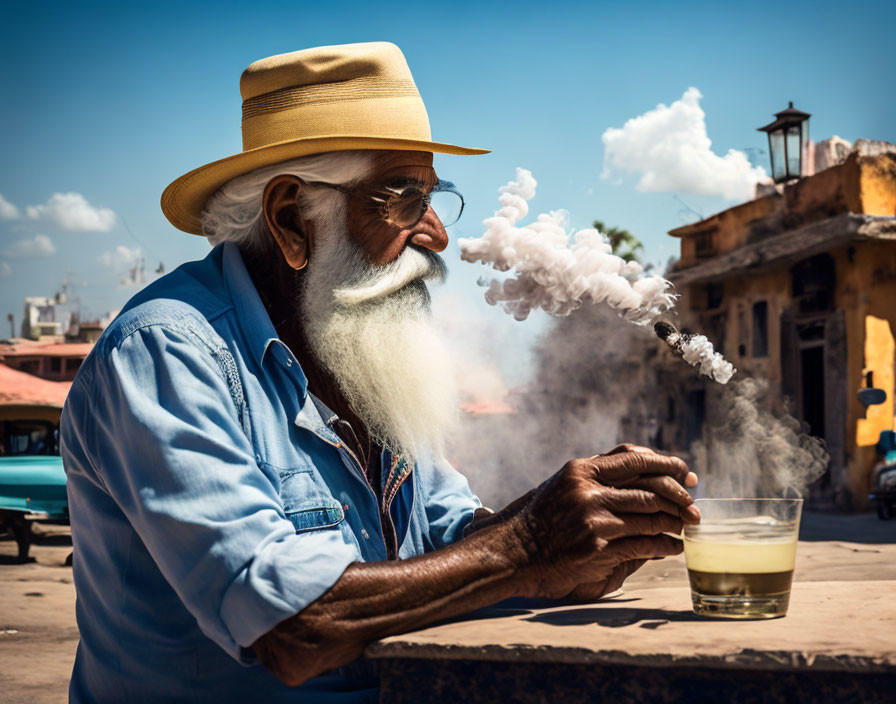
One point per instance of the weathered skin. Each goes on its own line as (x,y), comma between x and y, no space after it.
(577,536)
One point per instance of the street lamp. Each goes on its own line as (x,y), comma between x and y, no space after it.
(787,137)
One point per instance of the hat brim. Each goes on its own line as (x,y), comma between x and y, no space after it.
(184,199)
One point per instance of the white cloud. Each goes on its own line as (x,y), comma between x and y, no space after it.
(669,147)
(121,257)
(38,247)
(71,211)
(5,269)
(125,262)
(7,210)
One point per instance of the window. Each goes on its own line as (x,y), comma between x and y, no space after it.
(704,244)
(27,438)
(812,283)
(760,329)
(55,364)
(29,366)
(714,295)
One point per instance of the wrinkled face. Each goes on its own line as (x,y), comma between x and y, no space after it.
(379,240)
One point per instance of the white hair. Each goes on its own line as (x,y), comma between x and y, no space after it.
(234,212)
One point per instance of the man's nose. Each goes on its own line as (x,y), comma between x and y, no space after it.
(430,233)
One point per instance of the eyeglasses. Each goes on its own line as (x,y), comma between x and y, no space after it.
(405,207)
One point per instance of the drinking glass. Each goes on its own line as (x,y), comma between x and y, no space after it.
(740,556)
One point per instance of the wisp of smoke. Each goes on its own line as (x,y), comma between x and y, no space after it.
(697,351)
(552,274)
(752,452)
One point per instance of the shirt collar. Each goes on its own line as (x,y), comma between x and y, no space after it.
(259,331)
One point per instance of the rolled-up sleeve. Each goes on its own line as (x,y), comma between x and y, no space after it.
(449,503)
(167,443)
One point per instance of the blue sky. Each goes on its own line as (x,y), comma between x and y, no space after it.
(112,101)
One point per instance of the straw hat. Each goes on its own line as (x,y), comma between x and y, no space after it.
(331,98)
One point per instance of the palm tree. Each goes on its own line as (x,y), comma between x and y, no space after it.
(625,245)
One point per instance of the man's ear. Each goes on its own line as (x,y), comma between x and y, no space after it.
(292,232)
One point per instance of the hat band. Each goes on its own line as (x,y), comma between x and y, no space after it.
(361,88)
(401,118)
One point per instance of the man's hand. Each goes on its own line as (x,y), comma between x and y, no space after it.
(579,534)
(587,528)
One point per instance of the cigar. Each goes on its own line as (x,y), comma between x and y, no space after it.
(669,334)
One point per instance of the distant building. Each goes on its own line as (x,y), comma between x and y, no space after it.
(87,330)
(799,287)
(39,319)
(51,361)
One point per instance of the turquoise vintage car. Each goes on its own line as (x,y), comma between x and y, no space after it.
(32,481)
(34,485)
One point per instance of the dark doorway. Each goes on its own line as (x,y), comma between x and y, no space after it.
(760,329)
(812,368)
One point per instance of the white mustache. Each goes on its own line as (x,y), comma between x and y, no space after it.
(412,265)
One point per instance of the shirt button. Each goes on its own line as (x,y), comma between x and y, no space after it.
(288,362)
(364,534)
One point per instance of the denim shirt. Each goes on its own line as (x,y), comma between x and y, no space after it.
(210,498)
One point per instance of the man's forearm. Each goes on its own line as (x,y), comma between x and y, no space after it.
(373,600)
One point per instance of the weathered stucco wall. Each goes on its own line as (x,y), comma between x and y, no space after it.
(879,353)
(865,183)
(865,285)
(861,316)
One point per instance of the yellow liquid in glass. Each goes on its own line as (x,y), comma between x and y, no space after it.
(741,568)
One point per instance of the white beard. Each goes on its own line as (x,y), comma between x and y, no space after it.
(370,327)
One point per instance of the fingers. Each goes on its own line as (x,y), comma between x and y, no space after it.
(690,479)
(643,547)
(643,524)
(670,491)
(626,465)
(641,498)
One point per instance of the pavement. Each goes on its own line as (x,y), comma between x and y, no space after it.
(38,633)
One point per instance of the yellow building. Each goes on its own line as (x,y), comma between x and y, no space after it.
(799,287)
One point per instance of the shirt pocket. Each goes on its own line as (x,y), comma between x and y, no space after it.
(307,501)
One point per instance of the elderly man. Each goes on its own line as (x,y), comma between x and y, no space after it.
(254,447)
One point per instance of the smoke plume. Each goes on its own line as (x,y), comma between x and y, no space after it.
(552,274)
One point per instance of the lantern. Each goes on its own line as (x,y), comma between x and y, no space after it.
(787,139)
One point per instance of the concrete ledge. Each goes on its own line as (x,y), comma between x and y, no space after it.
(831,627)
(410,681)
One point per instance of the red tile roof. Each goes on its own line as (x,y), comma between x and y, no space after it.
(19,389)
(45,349)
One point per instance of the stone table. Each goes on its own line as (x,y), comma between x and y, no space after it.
(837,643)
